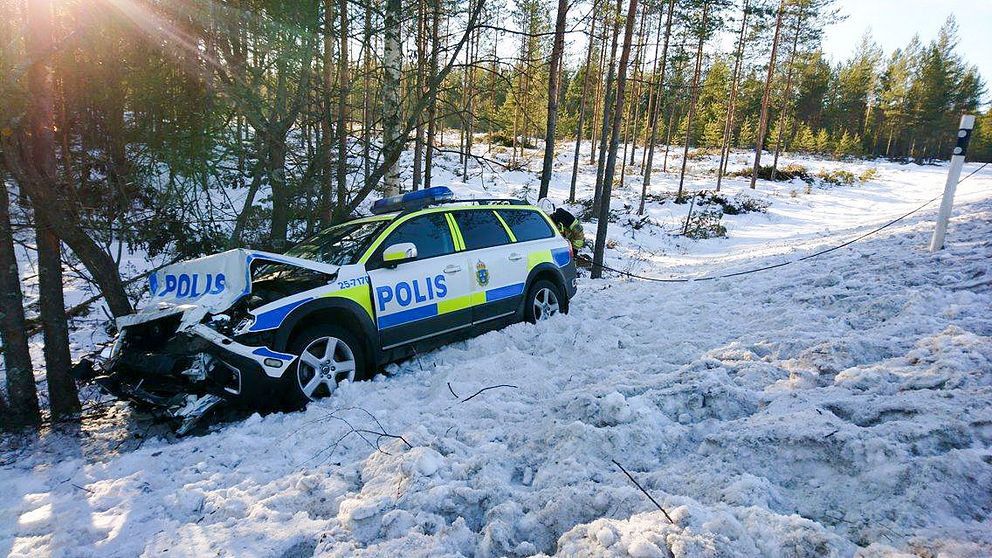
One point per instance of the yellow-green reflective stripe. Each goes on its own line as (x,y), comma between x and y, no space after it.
(461,302)
(538,257)
(456,234)
(359,294)
(513,238)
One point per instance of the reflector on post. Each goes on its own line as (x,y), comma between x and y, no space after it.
(953,175)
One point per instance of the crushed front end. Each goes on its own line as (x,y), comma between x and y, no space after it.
(181,370)
(182,356)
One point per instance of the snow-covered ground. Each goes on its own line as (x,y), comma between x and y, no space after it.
(833,407)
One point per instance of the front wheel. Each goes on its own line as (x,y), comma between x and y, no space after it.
(544,300)
(329,355)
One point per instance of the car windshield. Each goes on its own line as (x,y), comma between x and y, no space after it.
(340,245)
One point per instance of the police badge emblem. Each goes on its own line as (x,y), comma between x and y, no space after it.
(481,274)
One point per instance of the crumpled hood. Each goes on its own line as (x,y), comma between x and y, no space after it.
(208,285)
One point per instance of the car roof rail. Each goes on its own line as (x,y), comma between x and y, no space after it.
(484,201)
(478,201)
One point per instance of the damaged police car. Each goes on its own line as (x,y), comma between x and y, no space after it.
(274,331)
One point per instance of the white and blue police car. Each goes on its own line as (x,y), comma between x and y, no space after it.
(268,330)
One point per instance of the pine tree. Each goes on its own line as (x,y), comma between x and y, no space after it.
(847,145)
(748,133)
(805,141)
(856,88)
(712,135)
(934,91)
(981,139)
(894,96)
(814,78)
(823,143)
(713,104)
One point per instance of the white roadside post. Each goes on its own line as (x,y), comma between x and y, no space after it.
(953,175)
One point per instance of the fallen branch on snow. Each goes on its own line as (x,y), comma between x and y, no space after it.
(360,432)
(486,389)
(653,501)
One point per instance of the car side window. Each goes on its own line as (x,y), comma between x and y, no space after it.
(480,229)
(526,224)
(429,233)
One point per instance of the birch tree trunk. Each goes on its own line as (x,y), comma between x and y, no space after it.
(393,65)
(432,102)
(470,55)
(369,46)
(418,146)
(327,77)
(344,88)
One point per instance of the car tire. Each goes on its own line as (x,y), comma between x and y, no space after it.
(544,300)
(328,354)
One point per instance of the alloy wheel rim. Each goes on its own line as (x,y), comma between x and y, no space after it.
(545,304)
(324,363)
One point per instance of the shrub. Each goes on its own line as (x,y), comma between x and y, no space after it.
(837,177)
(706,224)
(868,174)
(506,140)
(499,138)
(739,204)
(784,174)
(702,152)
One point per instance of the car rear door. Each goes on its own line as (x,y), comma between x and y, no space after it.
(412,300)
(534,235)
(497,269)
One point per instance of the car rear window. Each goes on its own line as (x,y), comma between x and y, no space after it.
(480,229)
(526,224)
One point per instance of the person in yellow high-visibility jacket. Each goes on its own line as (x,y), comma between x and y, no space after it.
(570,228)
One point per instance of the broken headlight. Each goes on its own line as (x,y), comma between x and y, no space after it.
(118,346)
(244,324)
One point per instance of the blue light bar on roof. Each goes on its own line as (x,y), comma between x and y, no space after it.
(412,200)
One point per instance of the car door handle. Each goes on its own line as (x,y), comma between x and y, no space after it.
(515,256)
(453,269)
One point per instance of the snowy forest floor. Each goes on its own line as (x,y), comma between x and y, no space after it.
(830,407)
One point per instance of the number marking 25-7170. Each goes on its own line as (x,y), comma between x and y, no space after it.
(347,284)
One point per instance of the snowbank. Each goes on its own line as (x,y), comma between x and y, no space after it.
(837,407)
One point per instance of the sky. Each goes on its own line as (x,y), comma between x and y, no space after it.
(894,22)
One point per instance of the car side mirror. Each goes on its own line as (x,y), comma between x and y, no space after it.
(396,254)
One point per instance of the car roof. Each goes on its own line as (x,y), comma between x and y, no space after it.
(457,204)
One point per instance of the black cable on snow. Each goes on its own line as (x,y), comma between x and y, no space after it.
(783,264)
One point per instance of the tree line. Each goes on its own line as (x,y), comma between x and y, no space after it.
(178,129)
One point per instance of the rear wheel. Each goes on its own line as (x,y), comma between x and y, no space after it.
(329,355)
(544,300)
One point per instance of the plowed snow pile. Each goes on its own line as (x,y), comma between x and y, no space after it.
(835,407)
